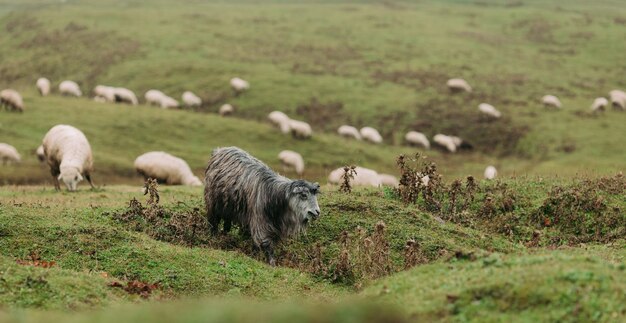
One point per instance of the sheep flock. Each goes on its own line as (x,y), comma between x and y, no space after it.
(66,150)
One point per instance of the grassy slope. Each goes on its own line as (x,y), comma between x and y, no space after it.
(563,285)
(384,73)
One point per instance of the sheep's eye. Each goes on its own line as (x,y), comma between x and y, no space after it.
(303,196)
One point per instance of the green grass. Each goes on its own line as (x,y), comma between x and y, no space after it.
(77,231)
(568,285)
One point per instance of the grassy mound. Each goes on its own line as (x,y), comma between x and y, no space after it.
(75,231)
(568,285)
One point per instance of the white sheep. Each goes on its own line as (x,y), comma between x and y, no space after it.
(239,85)
(291,159)
(599,105)
(191,100)
(99,99)
(372,135)
(489,110)
(43,86)
(69,156)
(415,138)
(8,154)
(124,95)
(281,120)
(300,129)
(41,155)
(618,99)
(363,177)
(349,132)
(226,110)
(168,102)
(70,88)
(551,101)
(490,172)
(154,97)
(458,85)
(166,168)
(12,100)
(447,142)
(388,180)
(104,93)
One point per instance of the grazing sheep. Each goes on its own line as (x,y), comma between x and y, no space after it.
(490,172)
(415,138)
(551,101)
(226,110)
(167,102)
(41,155)
(291,159)
(100,99)
(239,188)
(388,180)
(70,88)
(191,100)
(363,177)
(372,135)
(489,110)
(239,85)
(154,97)
(43,86)
(12,100)
(618,99)
(281,120)
(349,132)
(447,142)
(165,168)
(599,105)
(69,156)
(124,95)
(458,85)
(104,93)
(8,154)
(300,129)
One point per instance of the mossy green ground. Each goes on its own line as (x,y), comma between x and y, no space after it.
(499,279)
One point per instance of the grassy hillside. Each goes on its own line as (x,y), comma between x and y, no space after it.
(364,63)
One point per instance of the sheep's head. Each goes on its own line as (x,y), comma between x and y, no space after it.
(303,200)
(70,176)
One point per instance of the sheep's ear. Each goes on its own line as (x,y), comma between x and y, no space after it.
(297,189)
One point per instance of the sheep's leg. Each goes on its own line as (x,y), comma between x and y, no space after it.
(227,225)
(55,178)
(88,177)
(214,222)
(268,249)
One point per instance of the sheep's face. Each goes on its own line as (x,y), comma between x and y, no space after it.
(70,177)
(303,201)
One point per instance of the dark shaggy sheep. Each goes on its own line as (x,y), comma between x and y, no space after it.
(239,188)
